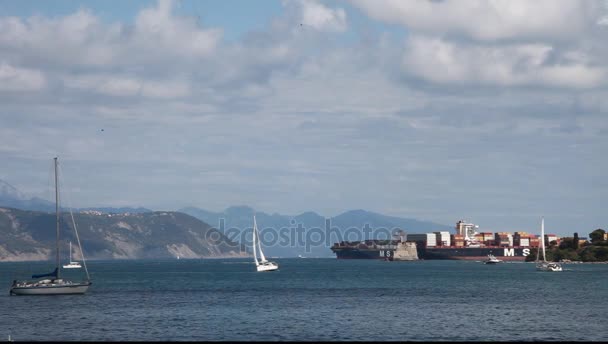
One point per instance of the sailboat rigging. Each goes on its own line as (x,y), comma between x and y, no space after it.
(54,285)
(544,265)
(263,264)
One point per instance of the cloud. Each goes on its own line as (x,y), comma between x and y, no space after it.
(124,86)
(489,20)
(515,43)
(435,121)
(20,79)
(157,29)
(82,39)
(445,62)
(321,17)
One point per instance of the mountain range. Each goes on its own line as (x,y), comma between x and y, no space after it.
(11,197)
(31,235)
(308,234)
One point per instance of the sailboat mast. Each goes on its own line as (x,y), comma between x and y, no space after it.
(57,214)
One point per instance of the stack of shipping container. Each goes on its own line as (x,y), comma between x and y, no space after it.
(457,240)
(443,238)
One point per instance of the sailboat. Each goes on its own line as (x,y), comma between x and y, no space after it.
(262,264)
(71,264)
(52,283)
(544,265)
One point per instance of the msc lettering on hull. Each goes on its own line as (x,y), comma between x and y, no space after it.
(386,253)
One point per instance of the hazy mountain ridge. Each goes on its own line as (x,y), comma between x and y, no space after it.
(29,235)
(11,197)
(305,234)
(239,219)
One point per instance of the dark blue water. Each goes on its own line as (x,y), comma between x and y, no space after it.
(313,299)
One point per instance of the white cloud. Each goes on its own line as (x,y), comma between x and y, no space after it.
(77,39)
(166,89)
(290,111)
(125,86)
(604,20)
(119,87)
(157,28)
(442,61)
(105,84)
(321,17)
(20,79)
(82,39)
(489,20)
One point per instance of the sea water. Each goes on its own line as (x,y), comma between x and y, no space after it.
(312,300)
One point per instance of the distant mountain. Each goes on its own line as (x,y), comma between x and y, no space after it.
(30,235)
(7,191)
(110,210)
(12,198)
(356,218)
(308,234)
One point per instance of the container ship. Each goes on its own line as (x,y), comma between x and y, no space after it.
(466,244)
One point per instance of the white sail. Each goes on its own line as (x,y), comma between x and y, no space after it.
(544,265)
(542,238)
(262,257)
(255,248)
(263,264)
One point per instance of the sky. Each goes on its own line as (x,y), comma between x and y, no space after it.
(494,112)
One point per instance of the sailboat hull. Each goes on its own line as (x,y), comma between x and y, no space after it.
(267,267)
(79,288)
(552,267)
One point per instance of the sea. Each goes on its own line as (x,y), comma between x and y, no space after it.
(309,299)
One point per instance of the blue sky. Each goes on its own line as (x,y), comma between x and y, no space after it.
(235,16)
(493,112)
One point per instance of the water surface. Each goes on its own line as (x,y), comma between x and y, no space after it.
(313,299)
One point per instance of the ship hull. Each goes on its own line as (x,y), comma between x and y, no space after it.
(475,253)
(446,253)
(355,253)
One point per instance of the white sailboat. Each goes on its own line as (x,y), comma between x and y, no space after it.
(71,264)
(263,264)
(52,283)
(544,265)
